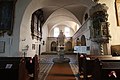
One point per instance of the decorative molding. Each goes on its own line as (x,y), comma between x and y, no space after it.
(117,9)
(98,7)
(99,29)
(96,1)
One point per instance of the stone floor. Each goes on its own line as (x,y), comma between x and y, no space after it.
(46,62)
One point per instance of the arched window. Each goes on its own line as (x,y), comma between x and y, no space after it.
(67,32)
(56,32)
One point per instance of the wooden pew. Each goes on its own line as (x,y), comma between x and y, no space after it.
(23,73)
(32,66)
(36,67)
(12,68)
(98,56)
(88,65)
(88,69)
(19,68)
(106,67)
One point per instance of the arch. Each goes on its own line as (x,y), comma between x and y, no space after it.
(70,24)
(53,46)
(68,46)
(83,40)
(56,31)
(61,16)
(61,27)
(78,42)
(23,17)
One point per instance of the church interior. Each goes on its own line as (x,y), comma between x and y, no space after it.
(60,39)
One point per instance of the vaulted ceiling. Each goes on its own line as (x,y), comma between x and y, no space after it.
(75,7)
(58,12)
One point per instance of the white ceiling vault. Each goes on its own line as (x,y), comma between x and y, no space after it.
(66,12)
(56,12)
(77,7)
(77,10)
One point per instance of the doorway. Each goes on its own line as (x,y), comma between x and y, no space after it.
(53,46)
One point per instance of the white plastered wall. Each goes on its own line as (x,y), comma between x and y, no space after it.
(25,31)
(12,42)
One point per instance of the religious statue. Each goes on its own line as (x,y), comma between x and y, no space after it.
(60,48)
(61,38)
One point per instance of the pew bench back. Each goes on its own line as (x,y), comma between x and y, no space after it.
(10,68)
(99,66)
(106,68)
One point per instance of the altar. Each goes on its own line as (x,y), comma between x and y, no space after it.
(61,49)
(61,58)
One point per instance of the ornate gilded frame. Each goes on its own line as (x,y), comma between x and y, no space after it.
(36,24)
(117,8)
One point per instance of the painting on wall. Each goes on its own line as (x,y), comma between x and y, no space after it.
(33,46)
(7,9)
(117,7)
(36,24)
(2,46)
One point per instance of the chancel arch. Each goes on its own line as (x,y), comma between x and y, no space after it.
(83,40)
(53,46)
(68,46)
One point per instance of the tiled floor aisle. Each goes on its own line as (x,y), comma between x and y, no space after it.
(46,64)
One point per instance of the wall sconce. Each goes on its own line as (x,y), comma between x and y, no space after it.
(27,47)
(77,42)
(23,39)
(40,39)
(43,43)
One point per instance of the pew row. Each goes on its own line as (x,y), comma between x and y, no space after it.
(36,67)
(19,68)
(107,68)
(99,68)
(86,67)
(32,66)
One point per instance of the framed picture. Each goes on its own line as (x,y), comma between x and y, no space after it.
(36,24)
(2,46)
(33,46)
(7,8)
(117,7)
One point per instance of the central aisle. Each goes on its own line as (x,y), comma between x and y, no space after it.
(61,71)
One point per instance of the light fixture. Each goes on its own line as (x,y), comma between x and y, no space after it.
(27,47)
(43,43)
